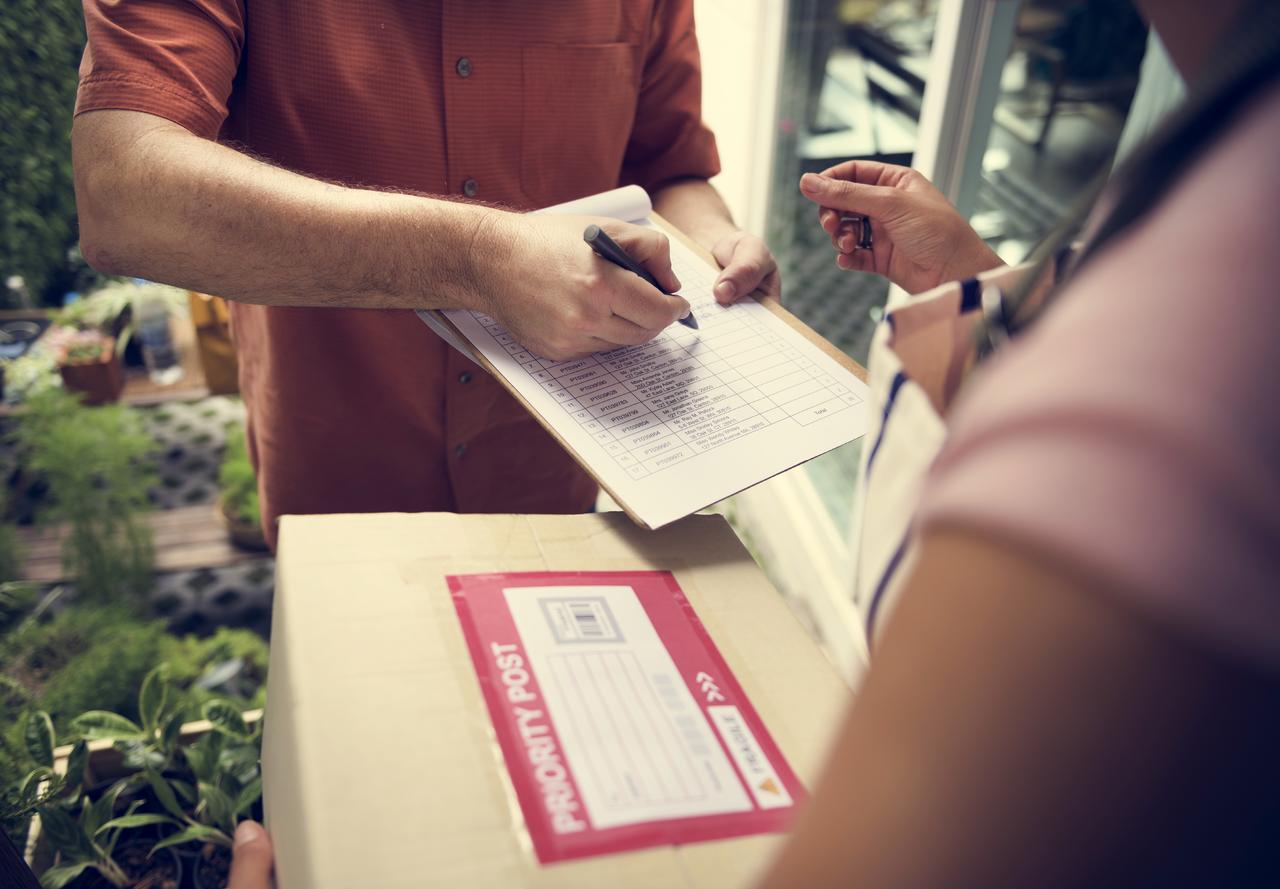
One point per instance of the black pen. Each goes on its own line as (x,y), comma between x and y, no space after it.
(607,248)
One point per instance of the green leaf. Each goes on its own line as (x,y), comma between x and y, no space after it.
(153,696)
(101,810)
(57,877)
(217,806)
(170,733)
(248,795)
(38,736)
(203,756)
(240,762)
(194,833)
(139,755)
(113,835)
(30,785)
(225,717)
(164,793)
(76,763)
(97,724)
(185,791)
(125,822)
(28,795)
(63,832)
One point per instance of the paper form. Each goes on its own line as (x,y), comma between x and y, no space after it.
(693,416)
(624,717)
(619,723)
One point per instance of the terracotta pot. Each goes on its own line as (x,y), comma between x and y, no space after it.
(100,382)
(245,535)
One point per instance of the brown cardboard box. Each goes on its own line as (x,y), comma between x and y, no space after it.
(381,768)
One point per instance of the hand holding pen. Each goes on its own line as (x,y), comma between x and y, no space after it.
(533,274)
(606,248)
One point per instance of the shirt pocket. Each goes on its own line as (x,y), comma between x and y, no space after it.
(579,103)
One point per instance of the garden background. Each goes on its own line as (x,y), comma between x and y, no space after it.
(134,593)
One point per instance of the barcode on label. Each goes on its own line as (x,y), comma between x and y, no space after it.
(587,619)
(588,623)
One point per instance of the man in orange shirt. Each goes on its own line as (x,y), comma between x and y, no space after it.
(329,167)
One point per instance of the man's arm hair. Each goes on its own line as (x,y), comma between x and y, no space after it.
(159,202)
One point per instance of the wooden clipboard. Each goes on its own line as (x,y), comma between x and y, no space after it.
(771,303)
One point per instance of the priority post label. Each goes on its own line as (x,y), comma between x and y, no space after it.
(620,724)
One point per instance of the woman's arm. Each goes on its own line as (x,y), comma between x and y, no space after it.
(1020,727)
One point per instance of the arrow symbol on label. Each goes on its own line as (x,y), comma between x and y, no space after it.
(709,688)
(768,786)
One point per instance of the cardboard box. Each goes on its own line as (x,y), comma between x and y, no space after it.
(380,765)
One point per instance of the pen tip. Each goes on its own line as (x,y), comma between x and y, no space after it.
(689,321)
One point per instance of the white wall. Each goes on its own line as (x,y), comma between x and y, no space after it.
(741,42)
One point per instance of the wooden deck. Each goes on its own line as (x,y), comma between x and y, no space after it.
(186,538)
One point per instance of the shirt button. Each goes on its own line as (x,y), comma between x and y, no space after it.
(464,377)
(460,450)
(463,67)
(470,188)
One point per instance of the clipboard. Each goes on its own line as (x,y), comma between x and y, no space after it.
(447,329)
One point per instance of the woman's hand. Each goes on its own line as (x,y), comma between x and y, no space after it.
(918,239)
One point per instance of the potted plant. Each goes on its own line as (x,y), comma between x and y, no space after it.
(89,848)
(95,462)
(174,791)
(33,372)
(88,363)
(238,493)
(120,309)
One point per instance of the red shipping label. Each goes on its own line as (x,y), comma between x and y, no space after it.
(620,723)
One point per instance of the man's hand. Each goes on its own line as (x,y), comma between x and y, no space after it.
(558,299)
(748,266)
(696,208)
(918,239)
(251,858)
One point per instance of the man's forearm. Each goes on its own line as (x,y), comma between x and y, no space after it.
(158,202)
(696,208)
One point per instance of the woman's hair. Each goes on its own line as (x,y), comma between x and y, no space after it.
(1245,63)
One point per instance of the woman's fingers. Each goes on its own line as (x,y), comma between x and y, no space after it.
(850,197)
(864,171)
(829,220)
(842,228)
(857,261)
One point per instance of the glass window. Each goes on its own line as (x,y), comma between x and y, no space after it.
(853,78)
(1065,91)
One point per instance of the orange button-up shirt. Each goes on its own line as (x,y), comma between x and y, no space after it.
(523,103)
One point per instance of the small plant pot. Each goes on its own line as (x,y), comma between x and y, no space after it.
(101,382)
(160,871)
(244,535)
(105,764)
(208,868)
